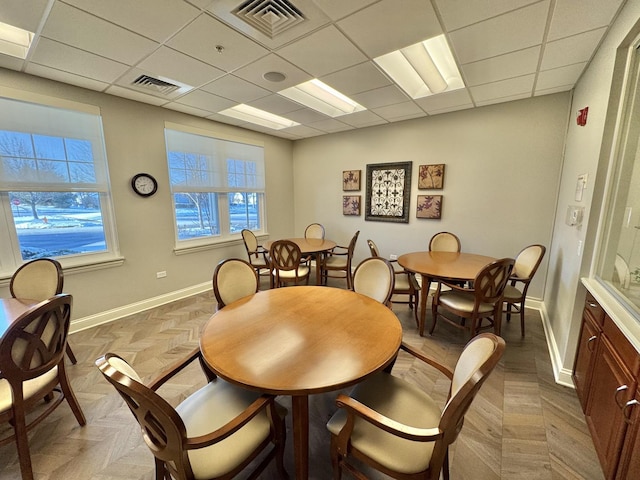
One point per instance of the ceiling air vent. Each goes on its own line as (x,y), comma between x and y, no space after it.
(271,17)
(155,84)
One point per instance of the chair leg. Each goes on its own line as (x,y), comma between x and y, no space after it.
(22,443)
(522,318)
(335,458)
(70,354)
(69,395)
(445,465)
(434,316)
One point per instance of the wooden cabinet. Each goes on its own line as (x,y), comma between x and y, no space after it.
(606,373)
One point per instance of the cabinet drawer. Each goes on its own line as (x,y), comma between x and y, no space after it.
(594,309)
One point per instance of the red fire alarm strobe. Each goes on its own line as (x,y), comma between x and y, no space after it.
(582,116)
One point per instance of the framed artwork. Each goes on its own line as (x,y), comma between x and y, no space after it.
(388,192)
(351,205)
(350,180)
(429,206)
(431,176)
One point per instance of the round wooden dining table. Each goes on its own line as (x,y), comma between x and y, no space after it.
(11,309)
(441,266)
(310,246)
(300,341)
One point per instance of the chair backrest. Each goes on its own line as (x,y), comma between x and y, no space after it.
(490,282)
(37,280)
(285,255)
(314,230)
(621,271)
(375,278)
(444,242)
(352,244)
(250,241)
(373,248)
(528,261)
(163,430)
(233,278)
(477,361)
(35,342)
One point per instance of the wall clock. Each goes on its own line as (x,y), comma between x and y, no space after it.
(144,184)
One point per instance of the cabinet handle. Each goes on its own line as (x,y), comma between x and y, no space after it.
(627,407)
(589,342)
(621,388)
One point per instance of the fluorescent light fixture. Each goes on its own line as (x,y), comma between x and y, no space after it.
(322,98)
(259,117)
(14,41)
(423,69)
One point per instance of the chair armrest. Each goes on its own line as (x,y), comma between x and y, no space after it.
(434,363)
(456,287)
(177,367)
(355,408)
(211,438)
(334,252)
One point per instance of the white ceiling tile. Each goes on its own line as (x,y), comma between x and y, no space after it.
(331,125)
(502,67)
(451,109)
(336,9)
(65,77)
(549,91)
(205,101)
(399,110)
(559,76)
(177,66)
(96,35)
(272,63)
(178,107)
(137,96)
(386,26)
(14,12)
(236,89)
(380,97)
(62,57)
(276,104)
(444,100)
(460,13)
(200,38)
(508,98)
(225,119)
(365,118)
(507,33)
(151,18)
(571,17)
(357,79)
(303,131)
(504,88)
(323,52)
(575,49)
(11,63)
(306,115)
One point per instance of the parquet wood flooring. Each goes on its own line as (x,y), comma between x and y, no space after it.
(522,425)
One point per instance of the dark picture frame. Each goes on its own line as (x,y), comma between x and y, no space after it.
(388,192)
(351,205)
(351,180)
(429,206)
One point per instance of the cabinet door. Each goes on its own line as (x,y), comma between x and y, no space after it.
(612,385)
(583,366)
(629,468)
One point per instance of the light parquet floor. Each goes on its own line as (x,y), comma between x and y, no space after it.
(522,425)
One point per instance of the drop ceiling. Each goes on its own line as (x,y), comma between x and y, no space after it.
(505,50)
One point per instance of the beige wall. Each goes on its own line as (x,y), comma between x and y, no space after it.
(134,135)
(502,171)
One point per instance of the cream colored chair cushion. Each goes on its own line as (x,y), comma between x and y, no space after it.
(374,278)
(463,302)
(512,293)
(471,359)
(337,261)
(36,281)
(29,388)
(235,280)
(303,270)
(211,407)
(400,401)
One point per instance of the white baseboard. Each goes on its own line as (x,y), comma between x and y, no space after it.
(561,374)
(137,307)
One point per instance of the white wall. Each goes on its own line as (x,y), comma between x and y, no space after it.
(502,170)
(134,135)
(585,153)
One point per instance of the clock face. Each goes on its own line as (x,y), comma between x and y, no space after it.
(144,184)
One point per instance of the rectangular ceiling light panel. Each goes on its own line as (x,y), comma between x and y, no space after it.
(423,69)
(259,117)
(14,41)
(322,98)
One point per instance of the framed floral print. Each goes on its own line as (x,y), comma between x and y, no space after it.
(351,205)
(350,180)
(388,192)
(431,176)
(429,206)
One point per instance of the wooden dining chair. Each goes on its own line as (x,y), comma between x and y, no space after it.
(314,230)
(375,278)
(482,302)
(233,279)
(525,267)
(405,283)
(215,433)
(32,369)
(257,254)
(286,265)
(38,280)
(339,259)
(444,242)
(393,426)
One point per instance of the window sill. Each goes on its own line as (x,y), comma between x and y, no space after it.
(194,248)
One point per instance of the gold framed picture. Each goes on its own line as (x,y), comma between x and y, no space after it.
(351,205)
(429,206)
(431,176)
(351,180)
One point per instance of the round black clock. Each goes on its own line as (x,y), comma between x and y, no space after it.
(144,184)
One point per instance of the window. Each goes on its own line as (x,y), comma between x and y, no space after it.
(54,187)
(217,186)
(619,263)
